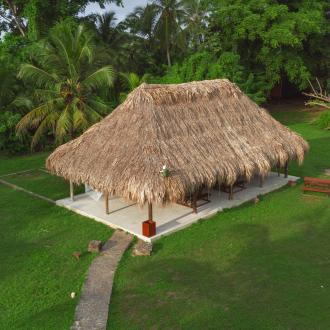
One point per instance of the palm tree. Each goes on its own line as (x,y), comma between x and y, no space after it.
(116,39)
(170,14)
(106,26)
(8,85)
(66,85)
(161,21)
(129,82)
(195,12)
(142,21)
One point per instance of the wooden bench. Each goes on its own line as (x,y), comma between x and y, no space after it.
(238,186)
(194,200)
(317,185)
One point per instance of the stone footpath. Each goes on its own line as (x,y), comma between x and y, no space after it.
(93,308)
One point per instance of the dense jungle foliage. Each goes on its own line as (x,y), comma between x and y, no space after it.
(62,70)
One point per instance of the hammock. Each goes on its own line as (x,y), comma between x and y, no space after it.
(96,195)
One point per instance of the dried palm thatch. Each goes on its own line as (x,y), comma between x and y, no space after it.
(205,132)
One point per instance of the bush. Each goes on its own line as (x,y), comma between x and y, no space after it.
(203,65)
(324,120)
(9,142)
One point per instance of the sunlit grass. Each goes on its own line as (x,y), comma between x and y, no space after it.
(263,266)
(37,239)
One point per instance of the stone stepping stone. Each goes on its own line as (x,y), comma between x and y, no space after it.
(93,308)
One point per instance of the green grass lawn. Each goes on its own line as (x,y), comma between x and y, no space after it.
(264,266)
(299,119)
(12,164)
(37,239)
(43,183)
(29,172)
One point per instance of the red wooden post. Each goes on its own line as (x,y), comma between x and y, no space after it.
(149,226)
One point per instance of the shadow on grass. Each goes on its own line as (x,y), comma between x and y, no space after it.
(41,320)
(316,161)
(256,282)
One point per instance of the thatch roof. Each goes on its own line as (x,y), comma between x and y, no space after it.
(205,132)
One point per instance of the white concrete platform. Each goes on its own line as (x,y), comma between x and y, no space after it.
(129,216)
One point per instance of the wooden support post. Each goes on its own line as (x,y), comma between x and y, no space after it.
(261,181)
(71,191)
(231,192)
(286,169)
(194,202)
(106,197)
(149,226)
(150,215)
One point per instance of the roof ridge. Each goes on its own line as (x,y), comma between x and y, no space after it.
(145,85)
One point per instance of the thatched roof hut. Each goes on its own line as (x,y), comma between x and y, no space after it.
(204,132)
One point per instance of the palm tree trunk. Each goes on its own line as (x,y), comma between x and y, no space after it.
(17,19)
(168,55)
(167,43)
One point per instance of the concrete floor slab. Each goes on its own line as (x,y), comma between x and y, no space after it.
(129,217)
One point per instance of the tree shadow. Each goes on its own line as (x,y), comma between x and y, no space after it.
(259,282)
(50,318)
(316,161)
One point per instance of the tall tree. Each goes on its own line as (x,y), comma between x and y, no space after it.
(170,14)
(130,81)
(195,21)
(142,22)
(67,86)
(35,17)
(169,25)
(106,26)
(275,38)
(11,15)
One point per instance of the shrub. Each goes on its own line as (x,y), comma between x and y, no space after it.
(203,65)
(324,120)
(9,142)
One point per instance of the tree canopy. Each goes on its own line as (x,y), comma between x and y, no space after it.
(67,80)
(261,45)
(35,17)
